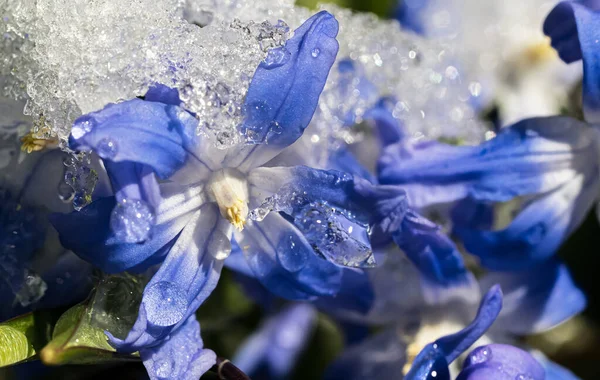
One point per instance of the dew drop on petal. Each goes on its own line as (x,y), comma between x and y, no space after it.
(82,127)
(277,57)
(315,52)
(523,376)
(163,369)
(165,303)
(481,354)
(132,221)
(107,148)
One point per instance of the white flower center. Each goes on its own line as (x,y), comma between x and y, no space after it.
(229,188)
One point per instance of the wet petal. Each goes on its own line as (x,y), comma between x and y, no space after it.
(185,279)
(538,299)
(500,362)
(282,99)
(139,131)
(284,262)
(88,233)
(168,361)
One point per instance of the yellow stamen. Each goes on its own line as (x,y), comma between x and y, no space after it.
(235,216)
(32,143)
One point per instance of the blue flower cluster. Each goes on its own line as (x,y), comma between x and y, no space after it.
(359,246)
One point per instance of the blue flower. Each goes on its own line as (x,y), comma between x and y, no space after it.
(273,350)
(549,163)
(179,200)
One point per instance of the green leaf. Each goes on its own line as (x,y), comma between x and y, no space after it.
(79,336)
(22,337)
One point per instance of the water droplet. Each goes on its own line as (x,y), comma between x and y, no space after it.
(292,253)
(480,355)
(81,127)
(32,289)
(165,303)
(219,245)
(277,57)
(523,376)
(132,221)
(315,52)
(65,192)
(163,368)
(107,148)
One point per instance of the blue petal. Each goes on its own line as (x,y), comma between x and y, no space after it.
(381,356)
(530,157)
(131,180)
(500,362)
(435,255)
(163,94)
(278,343)
(292,189)
(140,131)
(553,370)
(284,262)
(185,279)
(436,356)
(88,234)
(344,161)
(387,126)
(181,356)
(538,299)
(282,99)
(355,295)
(537,231)
(574,33)
(69,281)
(411,13)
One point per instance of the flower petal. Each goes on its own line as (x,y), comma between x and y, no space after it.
(278,342)
(553,370)
(185,279)
(381,356)
(282,98)
(436,356)
(572,28)
(140,131)
(290,189)
(532,156)
(356,295)
(537,231)
(131,180)
(500,362)
(163,94)
(284,262)
(88,234)
(387,126)
(181,356)
(538,299)
(443,272)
